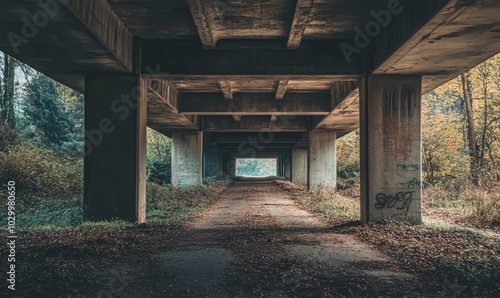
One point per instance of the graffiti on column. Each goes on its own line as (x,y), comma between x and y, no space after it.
(412,184)
(400,201)
(397,138)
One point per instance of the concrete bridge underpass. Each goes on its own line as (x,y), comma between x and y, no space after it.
(232,79)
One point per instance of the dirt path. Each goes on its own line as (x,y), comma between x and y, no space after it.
(255,242)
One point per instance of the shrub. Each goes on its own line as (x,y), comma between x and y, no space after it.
(474,205)
(8,136)
(41,173)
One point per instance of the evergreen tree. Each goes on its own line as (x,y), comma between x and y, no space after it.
(44,111)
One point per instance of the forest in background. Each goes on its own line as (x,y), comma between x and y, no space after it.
(42,137)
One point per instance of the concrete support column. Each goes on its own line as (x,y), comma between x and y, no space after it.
(115,147)
(322,160)
(187,152)
(390,130)
(299,166)
(211,162)
(288,165)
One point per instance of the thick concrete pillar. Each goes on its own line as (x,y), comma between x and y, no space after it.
(288,165)
(211,162)
(299,166)
(322,160)
(390,131)
(115,147)
(187,151)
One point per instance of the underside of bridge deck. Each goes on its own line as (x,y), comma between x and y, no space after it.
(229,78)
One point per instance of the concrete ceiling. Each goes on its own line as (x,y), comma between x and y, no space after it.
(234,66)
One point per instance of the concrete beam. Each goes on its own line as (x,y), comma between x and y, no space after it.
(438,39)
(255,123)
(255,104)
(225,87)
(344,117)
(322,160)
(257,140)
(280,92)
(106,26)
(391,143)
(115,157)
(186,58)
(300,19)
(163,115)
(59,44)
(187,158)
(202,23)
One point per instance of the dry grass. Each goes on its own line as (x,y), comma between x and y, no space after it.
(468,205)
(329,203)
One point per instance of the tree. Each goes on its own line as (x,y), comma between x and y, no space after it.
(44,111)
(159,157)
(7,114)
(474,99)
(471,132)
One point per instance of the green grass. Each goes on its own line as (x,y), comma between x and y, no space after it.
(174,205)
(477,273)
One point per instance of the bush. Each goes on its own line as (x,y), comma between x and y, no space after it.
(474,205)
(8,136)
(159,171)
(41,173)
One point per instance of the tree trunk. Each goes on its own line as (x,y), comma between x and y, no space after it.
(471,129)
(7,115)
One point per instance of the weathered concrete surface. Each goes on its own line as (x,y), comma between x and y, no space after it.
(115,148)
(255,104)
(187,155)
(322,160)
(211,162)
(459,35)
(391,148)
(299,166)
(106,26)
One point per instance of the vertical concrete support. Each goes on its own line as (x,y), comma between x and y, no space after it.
(288,165)
(299,166)
(187,151)
(211,162)
(322,160)
(115,147)
(390,129)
